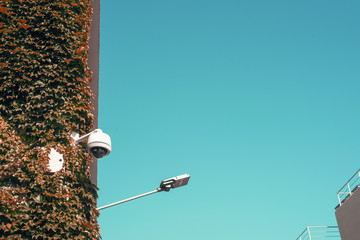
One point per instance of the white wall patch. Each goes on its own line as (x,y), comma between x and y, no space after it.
(56,161)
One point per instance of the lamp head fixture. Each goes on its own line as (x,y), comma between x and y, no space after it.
(174,182)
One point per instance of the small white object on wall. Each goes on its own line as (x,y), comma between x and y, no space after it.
(56,162)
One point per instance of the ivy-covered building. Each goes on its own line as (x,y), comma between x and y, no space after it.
(44,96)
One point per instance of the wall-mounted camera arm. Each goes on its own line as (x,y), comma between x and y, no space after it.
(78,139)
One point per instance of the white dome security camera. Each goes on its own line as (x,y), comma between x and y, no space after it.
(99,143)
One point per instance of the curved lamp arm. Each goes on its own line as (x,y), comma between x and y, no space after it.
(165,185)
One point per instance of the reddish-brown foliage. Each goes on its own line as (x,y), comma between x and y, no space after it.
(44,95)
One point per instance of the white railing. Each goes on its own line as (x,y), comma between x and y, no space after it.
(320,232)
(349,187)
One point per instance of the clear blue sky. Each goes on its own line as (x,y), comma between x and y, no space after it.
(257,100)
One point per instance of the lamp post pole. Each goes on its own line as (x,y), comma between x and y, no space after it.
(127,200)
(165,185)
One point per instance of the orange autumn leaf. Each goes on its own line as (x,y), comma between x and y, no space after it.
(4,9)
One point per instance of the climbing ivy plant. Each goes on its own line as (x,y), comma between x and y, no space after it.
(44,96)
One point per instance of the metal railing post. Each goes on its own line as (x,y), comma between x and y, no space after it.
(339,199)
(308,229)
(349,188)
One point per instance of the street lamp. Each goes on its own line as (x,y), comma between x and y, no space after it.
(165,185)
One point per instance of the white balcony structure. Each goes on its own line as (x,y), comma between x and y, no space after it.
(320,233)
